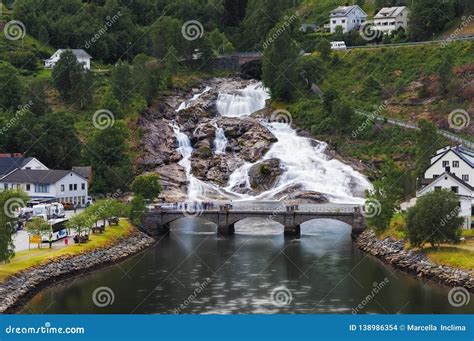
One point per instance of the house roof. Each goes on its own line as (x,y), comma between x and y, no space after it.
(451,175)
(36,176)
(79,53)
(389,12)
(343,11)
(9,164)
(84,171)
(462,152)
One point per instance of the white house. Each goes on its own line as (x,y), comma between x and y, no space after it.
(390,19)
(10,162)
(82,57)
(452,168)
(61,185)
(348,17)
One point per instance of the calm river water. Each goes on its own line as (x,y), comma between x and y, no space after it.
(198,272)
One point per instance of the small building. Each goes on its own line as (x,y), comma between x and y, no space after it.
(10,162)
(60,185)
(347,17)
(463,190)
(390,19)
(307,27)
(452,168)
(82,57)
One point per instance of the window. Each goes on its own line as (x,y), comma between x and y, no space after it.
(5,186)
(455,164)
(334,21)
(437,188)
(83,186)
(70,187)
(454,189)
(28,187)
(465,177)
(75,187)
(39,188)
(445,163)
(62,188)
(343,21)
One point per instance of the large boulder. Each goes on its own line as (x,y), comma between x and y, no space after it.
(264,175)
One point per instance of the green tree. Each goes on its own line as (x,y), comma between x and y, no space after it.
(434,219)
(67,74)
(445,72)
(383,199)
(166,33)
(80,223)
(10,96)
(137,209)
(429,17)
(278,64)
(427,143)
(108,153)
(312,70)
(38,227)
(9,201)
(324,48)
(147,185)
(122,83)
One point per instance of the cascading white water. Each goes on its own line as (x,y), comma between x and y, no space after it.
(305,165)
(220,142)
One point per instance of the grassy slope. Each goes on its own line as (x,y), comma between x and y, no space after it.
(29,258)
(358,73)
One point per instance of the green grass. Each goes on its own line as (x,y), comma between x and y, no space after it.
(396,229)
(461,256)
(29,258)
(468,233)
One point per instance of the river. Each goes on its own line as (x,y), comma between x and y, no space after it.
(196,271)
(257,270)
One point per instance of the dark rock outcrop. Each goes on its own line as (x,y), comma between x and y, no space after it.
(263,175)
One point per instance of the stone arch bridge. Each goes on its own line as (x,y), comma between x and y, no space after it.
(158,220)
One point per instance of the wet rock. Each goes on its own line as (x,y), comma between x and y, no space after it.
(263,175)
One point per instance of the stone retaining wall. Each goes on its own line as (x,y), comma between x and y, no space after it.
(392,252)
(17,289)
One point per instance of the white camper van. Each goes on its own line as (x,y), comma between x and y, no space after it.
(338,45)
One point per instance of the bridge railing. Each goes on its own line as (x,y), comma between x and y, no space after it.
(272,208)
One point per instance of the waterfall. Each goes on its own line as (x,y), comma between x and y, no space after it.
(304,163)
(220,141)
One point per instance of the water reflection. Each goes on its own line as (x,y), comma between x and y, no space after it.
(195,270)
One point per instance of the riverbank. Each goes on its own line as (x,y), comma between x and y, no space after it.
(392,252)
(18,288)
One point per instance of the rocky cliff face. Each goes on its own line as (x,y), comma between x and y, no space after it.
(247,140)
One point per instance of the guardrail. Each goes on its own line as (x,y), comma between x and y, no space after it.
(431,42)
(404,124)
